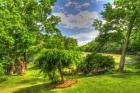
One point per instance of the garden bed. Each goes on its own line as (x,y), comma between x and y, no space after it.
(67,83)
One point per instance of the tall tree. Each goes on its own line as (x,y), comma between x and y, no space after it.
(23,23)
(123,15)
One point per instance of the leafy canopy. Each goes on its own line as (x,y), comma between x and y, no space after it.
(52,61)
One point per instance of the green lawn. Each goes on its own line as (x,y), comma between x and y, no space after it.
(107,83)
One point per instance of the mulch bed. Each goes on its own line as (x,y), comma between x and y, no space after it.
(67,83)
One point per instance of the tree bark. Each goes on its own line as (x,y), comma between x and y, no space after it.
(25,60)
(61,75)
(126,43)
(10,70)
(21,68)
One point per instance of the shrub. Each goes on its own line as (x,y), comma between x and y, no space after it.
(2,78)
(95,63)
(136,64)
(2,68)
(53,61)
(2,74)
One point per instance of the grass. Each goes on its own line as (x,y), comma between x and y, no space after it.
(112,82)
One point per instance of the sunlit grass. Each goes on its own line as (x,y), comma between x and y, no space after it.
(112,82)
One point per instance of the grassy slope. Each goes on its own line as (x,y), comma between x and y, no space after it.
(107,83)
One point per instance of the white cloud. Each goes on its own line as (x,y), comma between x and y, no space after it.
(83,42)
(90,35)
(83,19)
(101,0)
(113,6)
(86,37)
(110,1)
(76,4)
(68,4)
(82,5)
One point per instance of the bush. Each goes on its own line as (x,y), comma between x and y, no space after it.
(2,78)
(2,74)
(53,61)
(1,69)
(96,63)
(136,64)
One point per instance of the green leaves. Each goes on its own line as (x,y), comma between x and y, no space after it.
(51,60)
(117,19)
(95,63)
(63,57)
(19,30)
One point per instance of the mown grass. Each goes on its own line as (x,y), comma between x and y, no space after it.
(112,82)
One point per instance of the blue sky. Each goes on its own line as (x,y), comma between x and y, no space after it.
(77,17)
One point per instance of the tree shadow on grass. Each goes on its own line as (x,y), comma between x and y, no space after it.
(114,74)
(41,88)
(126,75)
(32,80)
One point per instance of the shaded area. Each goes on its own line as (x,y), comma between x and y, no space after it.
(126,75)
(32,80)
(42,88)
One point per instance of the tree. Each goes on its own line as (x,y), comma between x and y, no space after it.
(123,17)
(70,43)
(20,29)
(134,47)
(53,61)
(54,41)
(60,42)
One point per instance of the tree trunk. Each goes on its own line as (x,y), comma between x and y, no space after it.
(125,45)
(124,49)
(61,75)
(25,60)
(21,68)
(10,70)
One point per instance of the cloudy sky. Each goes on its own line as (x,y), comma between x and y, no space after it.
(77,17)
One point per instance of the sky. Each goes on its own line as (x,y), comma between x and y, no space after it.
(77,17)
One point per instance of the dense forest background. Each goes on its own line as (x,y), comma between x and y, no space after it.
(114,43)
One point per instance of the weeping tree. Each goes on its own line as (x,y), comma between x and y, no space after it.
(53,61)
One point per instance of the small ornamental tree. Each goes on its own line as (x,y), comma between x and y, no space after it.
(53,61)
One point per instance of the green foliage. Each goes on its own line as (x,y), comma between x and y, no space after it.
(119,18)
(70,43)
(1,69)
(60,42)
(107,83)
(54,41)
(134,46)
(123,17)
(95,63)
(135,63)
(23,23)
(53,61)
(2,72)
(2,78)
